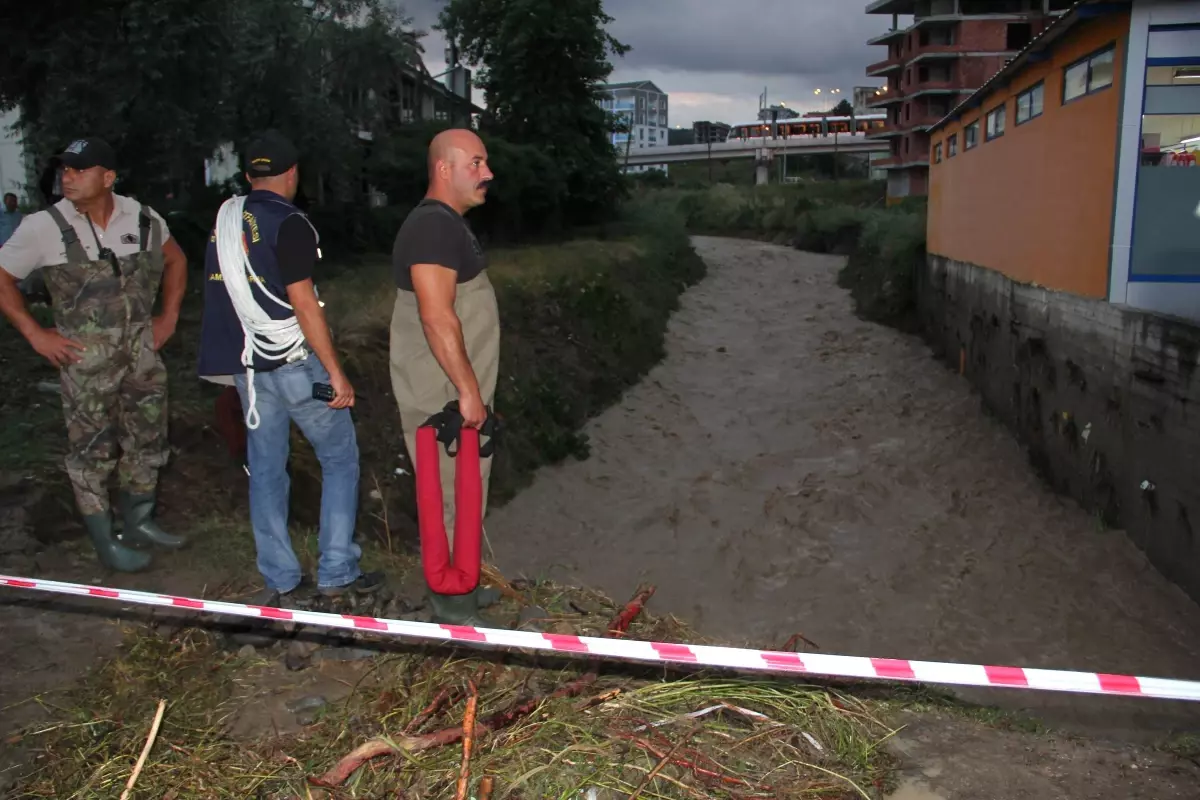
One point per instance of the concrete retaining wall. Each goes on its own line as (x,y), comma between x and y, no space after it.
(1105,399)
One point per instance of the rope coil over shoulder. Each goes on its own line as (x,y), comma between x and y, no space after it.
(275,340)
(459,575)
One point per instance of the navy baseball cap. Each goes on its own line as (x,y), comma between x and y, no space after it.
(88,153)
(270,153)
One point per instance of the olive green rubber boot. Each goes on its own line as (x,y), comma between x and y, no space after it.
(458,609)
(486,596)
(140,527)
(112,553)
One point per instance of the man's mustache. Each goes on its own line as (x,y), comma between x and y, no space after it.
(484,184)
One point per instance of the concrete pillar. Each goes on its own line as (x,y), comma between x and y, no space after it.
(762,167)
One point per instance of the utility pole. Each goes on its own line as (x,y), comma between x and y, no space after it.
(710,179)
(836,174)
(628,141)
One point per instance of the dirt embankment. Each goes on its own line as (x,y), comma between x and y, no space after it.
(790,468)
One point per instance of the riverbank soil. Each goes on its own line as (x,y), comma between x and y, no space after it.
(788,468)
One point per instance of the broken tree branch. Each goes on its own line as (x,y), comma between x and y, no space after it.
(342,771)
(141,762)
(447,695)
(621,624)
(662,762)
(468,728)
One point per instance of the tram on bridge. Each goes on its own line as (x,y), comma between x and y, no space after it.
(808,126)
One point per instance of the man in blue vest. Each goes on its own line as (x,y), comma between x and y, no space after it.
(264,331)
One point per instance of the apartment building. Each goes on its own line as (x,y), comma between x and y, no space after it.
(706,132)
(940,58)
(643,106)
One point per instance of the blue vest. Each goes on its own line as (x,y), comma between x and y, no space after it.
(221,337)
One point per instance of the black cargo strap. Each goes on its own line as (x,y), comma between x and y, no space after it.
(70,239)
(144,227)
(448,423)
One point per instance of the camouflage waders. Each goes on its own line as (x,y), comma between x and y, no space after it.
(117,392)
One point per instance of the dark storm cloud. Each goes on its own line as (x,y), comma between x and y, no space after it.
(714,57)
(756,37)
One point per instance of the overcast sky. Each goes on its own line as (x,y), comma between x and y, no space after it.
(714,57)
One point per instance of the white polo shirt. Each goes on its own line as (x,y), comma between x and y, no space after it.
(37,242)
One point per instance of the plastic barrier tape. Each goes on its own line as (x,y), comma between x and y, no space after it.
(933,672)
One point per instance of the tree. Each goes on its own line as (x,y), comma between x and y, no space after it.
(542,63)
(139,73)
(166,82)
(842,109)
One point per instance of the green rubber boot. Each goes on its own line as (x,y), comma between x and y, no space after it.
(486,596)
(458,609)
(112,553)
(140,528)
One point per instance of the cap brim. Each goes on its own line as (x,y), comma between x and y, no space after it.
(78,161)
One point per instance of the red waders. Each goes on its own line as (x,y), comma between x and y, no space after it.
(443,575)
(453,579)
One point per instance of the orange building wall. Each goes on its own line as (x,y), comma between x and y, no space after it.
(1037,203)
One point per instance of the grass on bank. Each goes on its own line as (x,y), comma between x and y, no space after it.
(885,245)
(767,738)
(582,321)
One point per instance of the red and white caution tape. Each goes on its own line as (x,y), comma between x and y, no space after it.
(934,672)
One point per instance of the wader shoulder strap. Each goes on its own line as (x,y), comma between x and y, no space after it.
(145,223)
(143,226)
(150,234)
(75,251)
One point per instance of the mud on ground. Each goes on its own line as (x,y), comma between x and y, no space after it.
(789,468)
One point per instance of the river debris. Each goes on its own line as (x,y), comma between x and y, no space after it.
(431,721)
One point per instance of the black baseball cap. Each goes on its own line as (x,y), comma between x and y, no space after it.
(87,153)
(270,153)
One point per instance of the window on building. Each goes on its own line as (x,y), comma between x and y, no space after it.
(971,135)
(952,146)
(995,122)
(1030,103)
(1166,235)
(1089,75)
(937,153)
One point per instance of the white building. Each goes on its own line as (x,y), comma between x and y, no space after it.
(14,174)
(644,108)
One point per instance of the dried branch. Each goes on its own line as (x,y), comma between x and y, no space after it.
(468,728)
(141,762)
(346,767)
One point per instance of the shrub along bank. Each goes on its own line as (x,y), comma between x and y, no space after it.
(885,245)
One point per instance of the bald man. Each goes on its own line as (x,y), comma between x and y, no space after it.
(445,335)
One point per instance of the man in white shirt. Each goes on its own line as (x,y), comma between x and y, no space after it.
(103,257)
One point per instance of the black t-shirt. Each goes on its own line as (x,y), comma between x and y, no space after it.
(296,250)
(434,233)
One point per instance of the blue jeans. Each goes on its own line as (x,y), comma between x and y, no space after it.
(282,395)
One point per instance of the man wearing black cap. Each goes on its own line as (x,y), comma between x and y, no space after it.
(103,257)
(264,331)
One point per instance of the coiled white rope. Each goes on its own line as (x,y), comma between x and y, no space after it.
(283,336)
